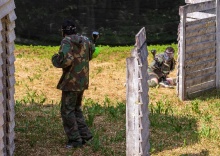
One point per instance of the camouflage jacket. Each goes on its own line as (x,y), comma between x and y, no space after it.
(160,67)
(73,57)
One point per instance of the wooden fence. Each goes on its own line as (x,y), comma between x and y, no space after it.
(199,51)
(137,121)
(7,79)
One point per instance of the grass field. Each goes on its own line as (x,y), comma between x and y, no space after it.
(189,128)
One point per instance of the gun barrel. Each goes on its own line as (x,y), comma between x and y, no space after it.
(153,52)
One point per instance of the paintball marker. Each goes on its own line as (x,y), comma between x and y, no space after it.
(95,36)
(153,52)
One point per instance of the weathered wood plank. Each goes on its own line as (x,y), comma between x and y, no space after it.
(200,46)
(1,49)
(12,16)
(11,148)
(195,1)
(199,15)
(11,81)
(1,146)
(200,73)
(200,59)
(198,7)
(136,94)
(145,144)
(194,27)
(2,120)
(10,48)
(197,53)
(191,20)
(1,110)
(11,26)
(6,8)
(11,103)
(144,107)
(1,27)
(218,44)
(202,31)
(11,92)
(201,66)
(201,87)
(1,38)
(11,115)
(10,126)
(200,80)
(1,86)
(202,38)
(2,2)
(196,21)
(1,61)
(182,44)
(211,11)
(140,38)
(11,36)
(11,69)
(1,133)
(131,107)
(145,129)
(1,97)
(11,59)
(10,137)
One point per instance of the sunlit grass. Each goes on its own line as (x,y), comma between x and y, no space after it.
(176,127)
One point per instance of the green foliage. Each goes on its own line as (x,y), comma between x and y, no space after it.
(33,97)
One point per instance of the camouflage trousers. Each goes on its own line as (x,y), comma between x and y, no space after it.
(73,120)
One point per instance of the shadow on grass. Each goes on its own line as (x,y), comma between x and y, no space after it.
(170,132)
(206,95)
(202,153)
(39,130)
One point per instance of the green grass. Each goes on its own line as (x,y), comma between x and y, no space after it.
(176,127)
(40,126)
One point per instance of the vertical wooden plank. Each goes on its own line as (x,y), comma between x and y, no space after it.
(182,47)
(217,43)
(4,91)
(137,122)
(195,1)
(131,94)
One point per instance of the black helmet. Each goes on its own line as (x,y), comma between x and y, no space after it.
(68,27)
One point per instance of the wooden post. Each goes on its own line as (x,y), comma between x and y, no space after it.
(181,57)
(217,43)
(131,107)
(7,80)
(137,120)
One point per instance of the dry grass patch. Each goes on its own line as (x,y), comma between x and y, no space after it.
(177,128)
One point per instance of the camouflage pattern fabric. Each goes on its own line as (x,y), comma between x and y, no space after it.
(73,120)
(73,57)
(160,68)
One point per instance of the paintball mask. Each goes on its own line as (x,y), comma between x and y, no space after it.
(68,28)
(168,56)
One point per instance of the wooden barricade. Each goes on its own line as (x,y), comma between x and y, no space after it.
(7,79)
(195,1)
(137,121)
(198,69)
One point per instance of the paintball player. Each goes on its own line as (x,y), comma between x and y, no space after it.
(73,57)
(160,68)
